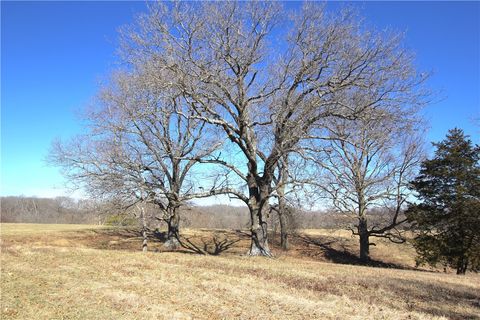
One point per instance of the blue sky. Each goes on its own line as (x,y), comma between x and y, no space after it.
(54,54)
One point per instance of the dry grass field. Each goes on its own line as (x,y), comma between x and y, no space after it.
(91,272)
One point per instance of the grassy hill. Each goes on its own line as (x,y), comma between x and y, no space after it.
(92,272)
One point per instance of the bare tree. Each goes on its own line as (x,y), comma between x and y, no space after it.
(265,98)
(367,166)
(367,160)
(140,147)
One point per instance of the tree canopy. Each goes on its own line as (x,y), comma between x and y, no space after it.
(448,214)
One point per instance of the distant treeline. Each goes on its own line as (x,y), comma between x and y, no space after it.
(49,210)
(67,210)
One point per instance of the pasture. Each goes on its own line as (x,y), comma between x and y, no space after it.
(95,272)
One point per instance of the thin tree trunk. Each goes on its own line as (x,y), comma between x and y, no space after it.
(274,227)
(283,231)
(144,230)
(283,218)
(462,265)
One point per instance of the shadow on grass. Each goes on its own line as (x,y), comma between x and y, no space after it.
(123,232)
(337,252)
(219,241)
(130,239)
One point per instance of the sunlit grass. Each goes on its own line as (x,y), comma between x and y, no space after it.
(9,229)
(100,274)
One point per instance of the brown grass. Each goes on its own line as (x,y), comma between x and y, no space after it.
(98,273)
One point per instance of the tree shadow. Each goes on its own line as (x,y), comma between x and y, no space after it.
(211,246)
(219,242)
(125,233)
(130,239)
(157,235)
(337,252)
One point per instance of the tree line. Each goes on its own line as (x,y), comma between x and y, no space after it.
(276,109)
(21,209)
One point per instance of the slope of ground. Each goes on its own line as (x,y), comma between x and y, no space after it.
(81,272)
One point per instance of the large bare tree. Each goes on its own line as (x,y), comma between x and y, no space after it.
(141,146)
(262,77)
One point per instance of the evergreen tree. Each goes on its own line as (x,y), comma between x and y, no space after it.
(448,216)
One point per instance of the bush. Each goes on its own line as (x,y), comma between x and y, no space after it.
(122,220)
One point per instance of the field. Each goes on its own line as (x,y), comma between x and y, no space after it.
(93,272)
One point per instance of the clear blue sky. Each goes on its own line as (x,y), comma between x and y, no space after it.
(53,55)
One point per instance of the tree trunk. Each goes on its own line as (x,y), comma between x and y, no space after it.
(364,241)
(283,218)
(274,227)
(257,202)
(462,265)
(259,244)
(173,225)
(283,214)
(283,232)
(144,230)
